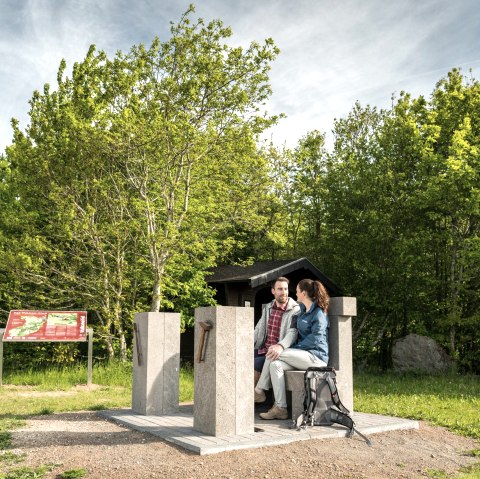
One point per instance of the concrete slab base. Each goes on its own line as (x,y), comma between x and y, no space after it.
(178,429)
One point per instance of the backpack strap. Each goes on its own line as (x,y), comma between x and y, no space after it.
(311,387)
(343,419)
(332,385)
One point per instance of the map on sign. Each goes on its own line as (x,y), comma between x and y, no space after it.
(46,326)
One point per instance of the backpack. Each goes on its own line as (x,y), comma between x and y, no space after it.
(321,403)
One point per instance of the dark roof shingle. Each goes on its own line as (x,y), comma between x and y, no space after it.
(263,272)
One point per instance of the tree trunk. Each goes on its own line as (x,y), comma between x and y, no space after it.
(123,346)
(157,294)
(108,337)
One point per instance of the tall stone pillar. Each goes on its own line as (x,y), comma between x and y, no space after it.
(340,313)
(156,363)
(223,391)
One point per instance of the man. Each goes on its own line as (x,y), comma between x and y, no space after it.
(274,331)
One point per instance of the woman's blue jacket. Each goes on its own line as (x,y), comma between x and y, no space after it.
(312,328)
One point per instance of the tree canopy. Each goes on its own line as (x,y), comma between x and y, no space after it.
(135,172)
(394,217)
(139,172)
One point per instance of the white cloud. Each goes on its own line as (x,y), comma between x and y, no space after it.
(332,53)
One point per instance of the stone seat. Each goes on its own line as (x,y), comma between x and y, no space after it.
(341,311)
(295,385)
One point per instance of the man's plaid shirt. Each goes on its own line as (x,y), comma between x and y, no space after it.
(273,326)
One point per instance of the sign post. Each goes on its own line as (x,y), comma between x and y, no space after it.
(56,326)
(89,358)
(34,326)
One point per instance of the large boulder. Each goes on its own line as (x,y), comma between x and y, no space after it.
(420,353)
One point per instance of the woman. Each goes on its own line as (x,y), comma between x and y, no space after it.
(310,350)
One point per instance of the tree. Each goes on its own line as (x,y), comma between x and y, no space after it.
(132,173)
(187,121)
(402,218)
(452,197)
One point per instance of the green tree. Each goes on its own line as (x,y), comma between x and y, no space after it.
(300,183)
(401,217)
(185,135)
(452,197)
(133,174)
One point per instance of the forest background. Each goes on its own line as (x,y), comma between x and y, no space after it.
(139,172)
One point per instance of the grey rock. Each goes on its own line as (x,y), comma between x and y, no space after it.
(420,353)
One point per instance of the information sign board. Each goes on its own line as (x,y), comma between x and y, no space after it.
(23,325)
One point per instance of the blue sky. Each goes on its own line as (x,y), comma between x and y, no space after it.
(333,52)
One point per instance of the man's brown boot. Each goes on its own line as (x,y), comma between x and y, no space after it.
(275,413)
(260,397)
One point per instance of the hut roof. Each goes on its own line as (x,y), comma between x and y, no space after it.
(263,272)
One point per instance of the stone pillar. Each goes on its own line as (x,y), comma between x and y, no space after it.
(223,388)
(156,363)
(340,313)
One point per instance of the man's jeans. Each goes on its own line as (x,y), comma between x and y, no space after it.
(273,372)
(258,361)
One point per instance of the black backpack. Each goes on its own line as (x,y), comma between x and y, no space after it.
(322,405)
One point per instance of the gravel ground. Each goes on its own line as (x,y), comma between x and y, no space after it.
(106,450)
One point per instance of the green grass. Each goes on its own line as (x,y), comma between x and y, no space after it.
(436,473)
(474,453)
(114,373)
(64,389)
(469,472)
(37,392)
(8,422)
(73,474)
(186,383)
(27,472)
(8,457)
(451,401)
(20,403)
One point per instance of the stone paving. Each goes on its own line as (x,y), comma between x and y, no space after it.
(178,429)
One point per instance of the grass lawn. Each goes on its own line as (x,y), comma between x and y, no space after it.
(451,401)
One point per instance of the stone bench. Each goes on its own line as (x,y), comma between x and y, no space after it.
(294,384)
(340,313)
(225,374)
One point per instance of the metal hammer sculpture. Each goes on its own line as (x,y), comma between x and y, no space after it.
(138,344)
(206,326)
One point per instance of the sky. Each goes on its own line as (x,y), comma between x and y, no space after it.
(332,52)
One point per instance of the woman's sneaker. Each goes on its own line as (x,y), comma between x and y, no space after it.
(275,413)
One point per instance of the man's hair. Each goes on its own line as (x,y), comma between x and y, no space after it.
(282,279)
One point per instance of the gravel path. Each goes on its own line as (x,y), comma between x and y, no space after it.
(106,450)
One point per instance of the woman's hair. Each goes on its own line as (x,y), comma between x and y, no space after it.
(316,292)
